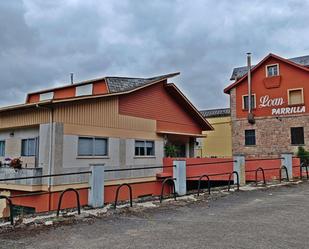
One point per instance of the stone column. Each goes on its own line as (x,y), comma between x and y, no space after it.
(96,183)
(179,173)
(239,166)
(287,162)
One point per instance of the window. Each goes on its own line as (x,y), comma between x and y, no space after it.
(2,148)
(144,148)
(29,147)
(92,146)
(249,137)
(84,90)
(272,70)
(46,96)
(245,103)
(297,135)
(295,96)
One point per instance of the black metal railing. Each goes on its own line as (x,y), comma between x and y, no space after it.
(130,194)
(286,173)
(9,198)
(171,180)
(77,199)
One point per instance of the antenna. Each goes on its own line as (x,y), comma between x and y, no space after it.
(72,76)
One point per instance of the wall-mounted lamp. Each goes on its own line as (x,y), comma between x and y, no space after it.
(12,134)
(278,118)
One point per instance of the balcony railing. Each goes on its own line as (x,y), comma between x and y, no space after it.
(7,172)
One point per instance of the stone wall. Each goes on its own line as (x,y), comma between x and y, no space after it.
(273,135)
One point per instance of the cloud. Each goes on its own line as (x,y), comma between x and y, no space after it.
(41,42)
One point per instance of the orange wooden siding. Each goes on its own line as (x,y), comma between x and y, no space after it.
(154,102)
(99,87)
(33,98)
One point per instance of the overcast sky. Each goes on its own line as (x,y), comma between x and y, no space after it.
(42,41)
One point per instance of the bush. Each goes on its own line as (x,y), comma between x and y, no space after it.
(171,150)
(303,155)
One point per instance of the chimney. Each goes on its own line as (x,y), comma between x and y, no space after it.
(72,75)
(250,114)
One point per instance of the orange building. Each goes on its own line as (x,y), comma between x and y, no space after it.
(276,120)
(120,122)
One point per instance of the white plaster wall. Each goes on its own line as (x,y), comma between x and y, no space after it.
(13,144)
(120,155)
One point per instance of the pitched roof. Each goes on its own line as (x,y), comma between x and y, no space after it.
(122,84)
(239,72)
(116,84)
(290,62)
(211,113)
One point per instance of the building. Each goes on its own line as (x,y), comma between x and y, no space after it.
(116,121)
(218,142)
(277,118)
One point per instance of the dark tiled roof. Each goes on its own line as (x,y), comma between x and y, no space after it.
(216,113)
(122,84)
(238,72)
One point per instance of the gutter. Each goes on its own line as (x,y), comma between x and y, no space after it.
(50,155)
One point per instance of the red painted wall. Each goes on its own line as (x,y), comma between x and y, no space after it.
(216,166)
(154,102)
(41,202)
(268,164)
(219,166)
(291,77)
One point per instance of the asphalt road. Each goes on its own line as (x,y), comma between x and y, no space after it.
(273,218)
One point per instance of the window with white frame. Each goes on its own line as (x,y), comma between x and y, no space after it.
(2,148)
(272,70)
(296,96)
(144,148)
(29,147)
(245,102)
(84,90)
(92,146)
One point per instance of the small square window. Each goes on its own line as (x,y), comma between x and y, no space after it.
(272,70)
(249,137)
(296,96)
(245,103)
(297,136)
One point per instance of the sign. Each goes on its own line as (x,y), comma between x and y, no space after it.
(276,105)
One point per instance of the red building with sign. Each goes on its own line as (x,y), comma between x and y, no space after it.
(277,119)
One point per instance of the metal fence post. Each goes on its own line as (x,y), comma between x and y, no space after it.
(287,162)
(239,166)
(179,173)
(96,182)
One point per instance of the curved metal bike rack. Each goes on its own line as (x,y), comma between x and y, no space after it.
(77,199)
(10,206)
(117,193)
(199,184)
(230,179)
(163,184)
(286,172)
(256,174)
(303,165)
